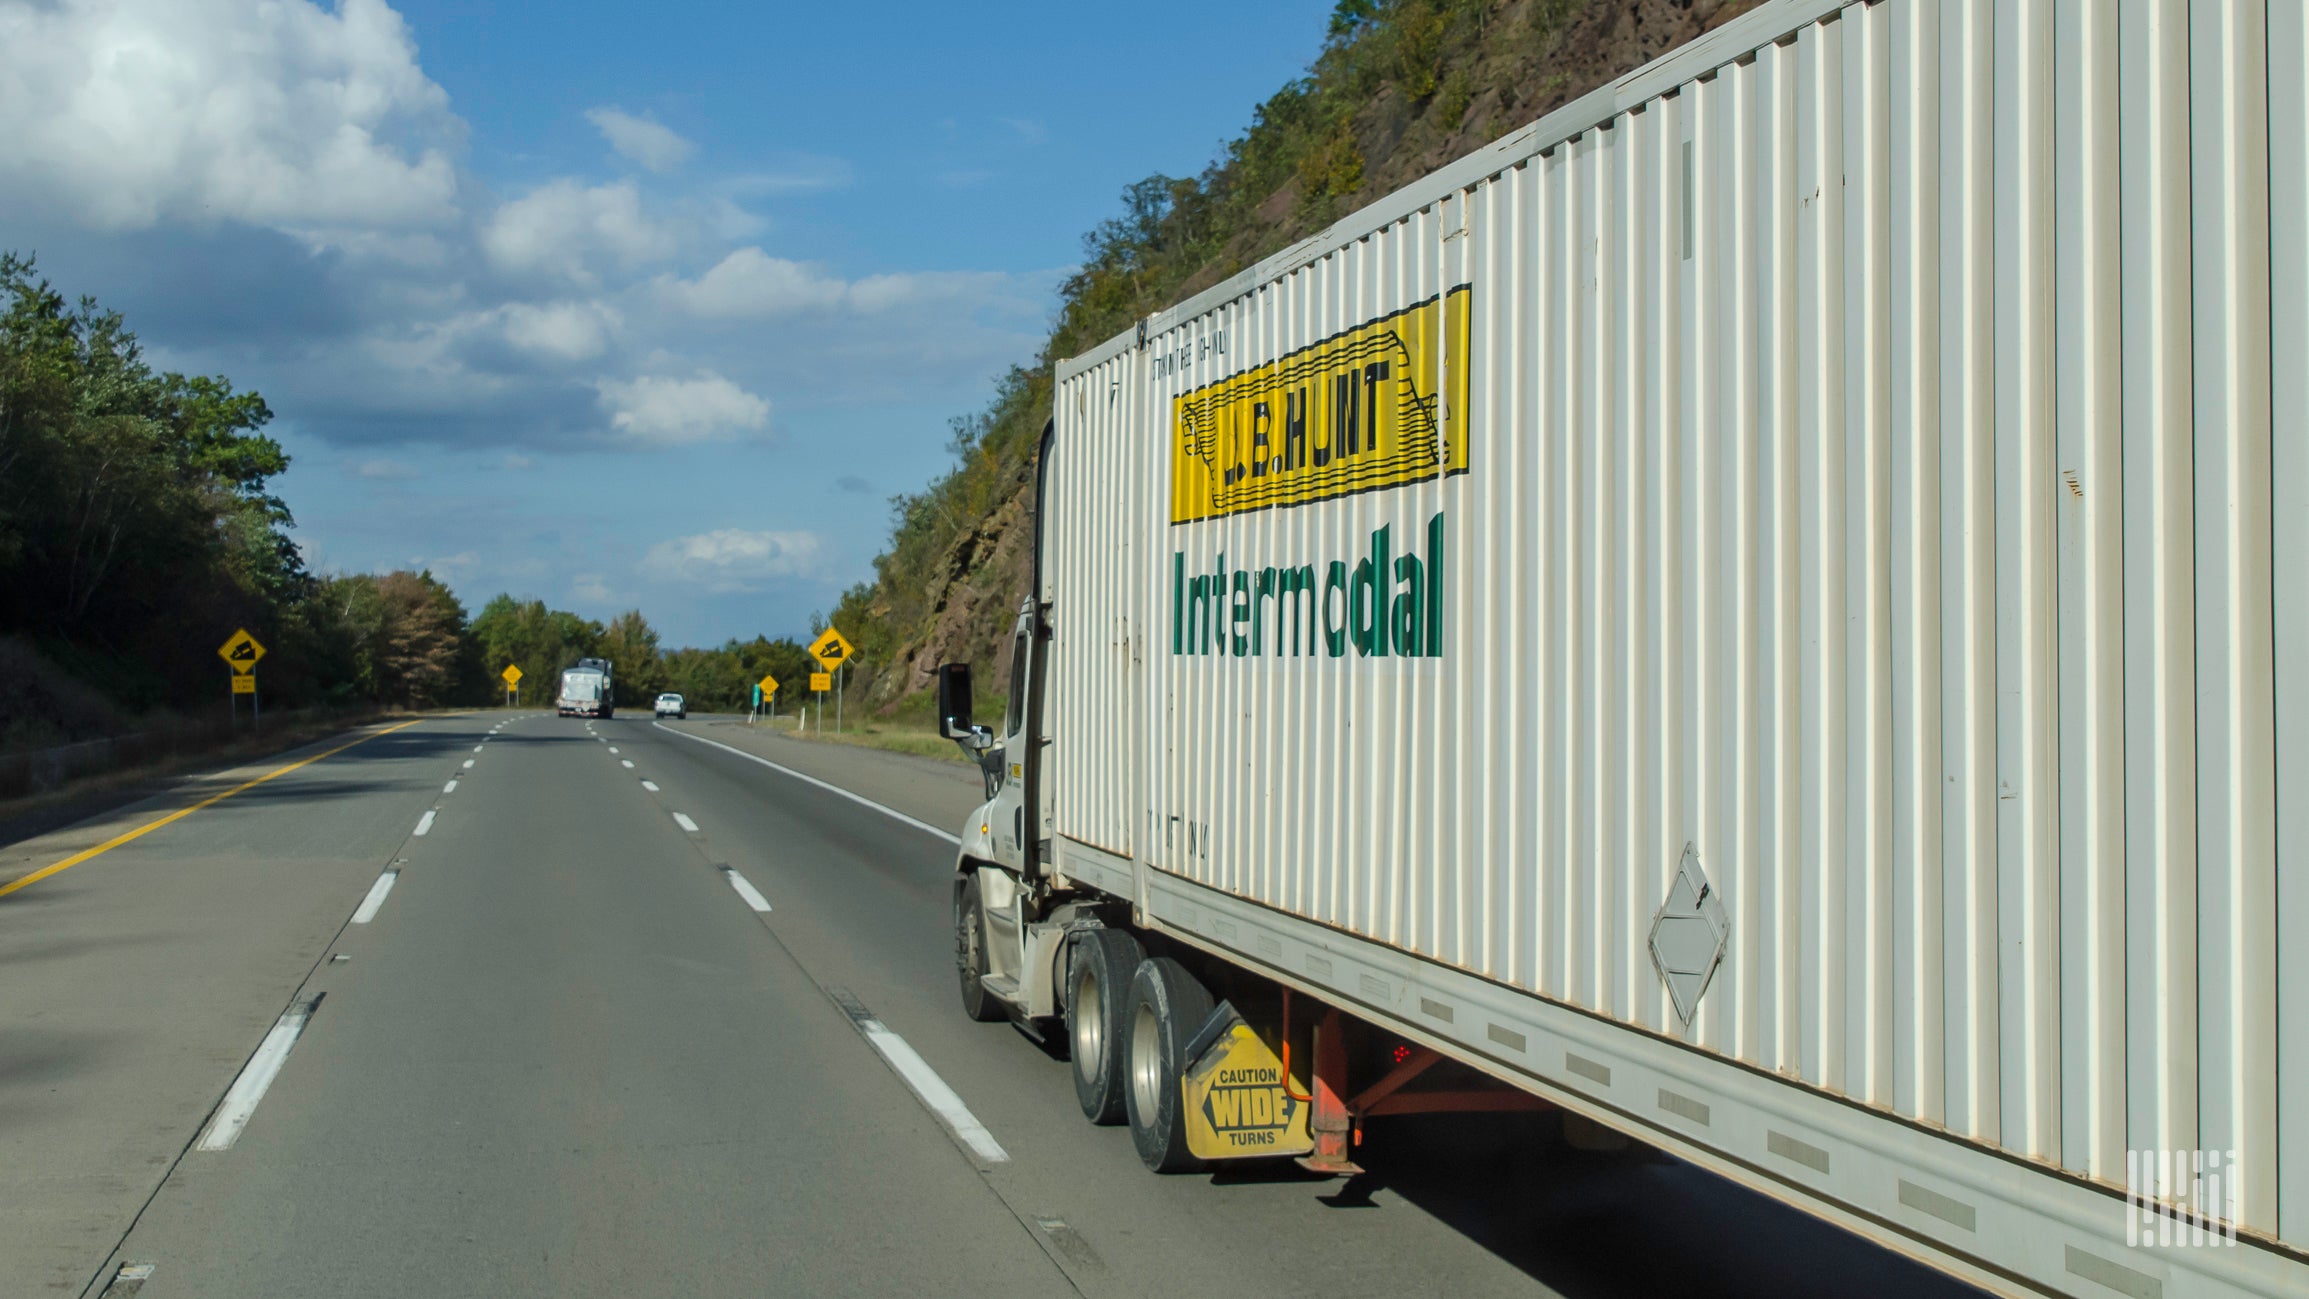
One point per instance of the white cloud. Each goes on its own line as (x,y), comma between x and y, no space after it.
(751,283)
(649,143)
(914,288)
(590,586)
(567,229)
(795,173)
(655,410)
(562,331)
(730,559)
(384,469)
(133,112)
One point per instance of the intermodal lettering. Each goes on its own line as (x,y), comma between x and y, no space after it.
(1386,604)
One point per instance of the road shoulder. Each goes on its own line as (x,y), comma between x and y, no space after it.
(944,794)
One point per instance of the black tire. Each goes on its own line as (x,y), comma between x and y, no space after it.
(1098,980)
(970,956)
(1167,1005)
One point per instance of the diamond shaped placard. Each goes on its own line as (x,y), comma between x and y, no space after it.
(1688,935)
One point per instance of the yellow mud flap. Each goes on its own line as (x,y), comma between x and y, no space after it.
(1238,1103)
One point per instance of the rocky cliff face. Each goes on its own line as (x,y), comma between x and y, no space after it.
(1399,88)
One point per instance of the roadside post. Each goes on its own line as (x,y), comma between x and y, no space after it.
(240,652)
(832,651)
(512,675)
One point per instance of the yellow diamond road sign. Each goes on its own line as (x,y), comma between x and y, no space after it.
(769,684)
(821,681)
(512,675)
(830,649)
(242,651)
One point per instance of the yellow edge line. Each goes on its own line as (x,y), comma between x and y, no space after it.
(182,812)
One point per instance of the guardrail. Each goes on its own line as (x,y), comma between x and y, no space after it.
(40,771)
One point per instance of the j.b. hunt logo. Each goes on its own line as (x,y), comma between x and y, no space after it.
(1379,405)
(2180,1197)
(1386,604)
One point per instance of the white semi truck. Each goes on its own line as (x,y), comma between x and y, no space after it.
(1749,612)
(587,690)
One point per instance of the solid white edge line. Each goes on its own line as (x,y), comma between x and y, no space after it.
(934,1092)
(891,812)
(649,785)
(746,890)
(376,898)
(685,823)
(449,788)
(425,823)
(240,1102)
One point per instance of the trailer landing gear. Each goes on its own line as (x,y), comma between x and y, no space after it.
(1337,1119)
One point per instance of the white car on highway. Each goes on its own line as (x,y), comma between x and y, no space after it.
(672,705)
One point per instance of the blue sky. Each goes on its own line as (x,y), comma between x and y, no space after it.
(609,309)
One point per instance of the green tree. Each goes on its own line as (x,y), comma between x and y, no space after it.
(630,644)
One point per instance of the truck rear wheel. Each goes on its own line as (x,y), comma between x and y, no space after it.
(970,956)
(1097,1019)
(1167,1005)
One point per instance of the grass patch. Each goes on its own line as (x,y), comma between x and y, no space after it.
(922,741)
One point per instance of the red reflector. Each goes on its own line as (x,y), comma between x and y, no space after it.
(1402,1052)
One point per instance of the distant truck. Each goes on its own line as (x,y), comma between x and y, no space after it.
(1746,612)
(587,690)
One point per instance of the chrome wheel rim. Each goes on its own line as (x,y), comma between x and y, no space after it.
(1146,1064)
(1089,1022)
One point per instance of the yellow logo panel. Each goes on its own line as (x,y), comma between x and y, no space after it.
(1381,405)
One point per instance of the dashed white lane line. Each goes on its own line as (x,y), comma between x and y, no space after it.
(477,748)
(449,788)
(469,764)
(746,890)
(891,812)
(934,1092)
(628,763)
(376,898)
(425,824)
(649,785)
(685,823)
(233,1114)
(613,748)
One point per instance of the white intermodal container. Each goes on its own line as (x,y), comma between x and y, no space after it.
(1768,608)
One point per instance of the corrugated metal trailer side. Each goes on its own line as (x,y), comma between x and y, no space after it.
(1097,558)
(1886,478)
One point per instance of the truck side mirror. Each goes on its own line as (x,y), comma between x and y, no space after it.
(954,701)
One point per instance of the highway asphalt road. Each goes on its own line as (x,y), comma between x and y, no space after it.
(487,1005)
